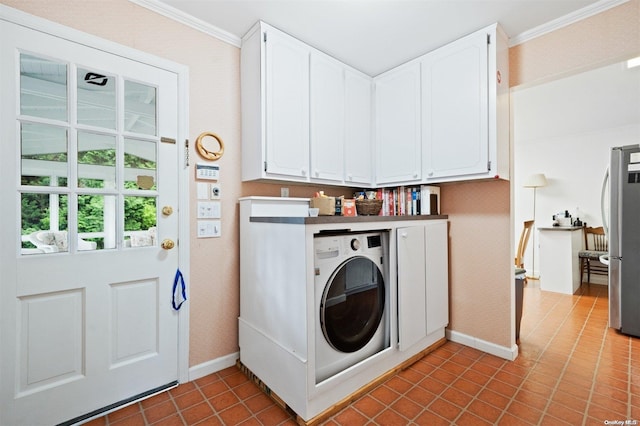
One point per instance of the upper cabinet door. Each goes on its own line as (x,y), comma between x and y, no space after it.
(455,109)
(398,141)
(358,152)
(287,105)
(327,118)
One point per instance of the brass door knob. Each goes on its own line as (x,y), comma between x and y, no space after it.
(167,244)
(167,210)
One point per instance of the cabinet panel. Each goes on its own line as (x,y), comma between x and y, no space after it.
(455,107)
(398,139)
(287,105)
(437,275)
(327,118)
(412,316)
(358,153)
(423,281)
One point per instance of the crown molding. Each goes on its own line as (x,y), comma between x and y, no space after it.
(563,21)
(188,20)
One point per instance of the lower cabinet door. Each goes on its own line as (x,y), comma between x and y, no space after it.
(423,281)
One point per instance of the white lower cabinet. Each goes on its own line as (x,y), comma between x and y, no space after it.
(423,284)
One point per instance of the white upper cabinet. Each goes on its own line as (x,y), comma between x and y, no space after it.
(275,105)
(358,152)
(307,117)
(461,82)
(397,124)
(327,118)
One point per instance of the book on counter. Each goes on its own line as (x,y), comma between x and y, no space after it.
(410,200)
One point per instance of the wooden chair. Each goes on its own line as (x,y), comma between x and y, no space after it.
(595,245)
(522,245)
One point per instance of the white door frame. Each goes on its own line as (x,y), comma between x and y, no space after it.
(182,71)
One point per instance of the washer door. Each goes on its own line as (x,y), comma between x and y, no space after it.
(352,304)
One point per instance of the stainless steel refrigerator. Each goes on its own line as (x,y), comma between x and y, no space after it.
(624,239)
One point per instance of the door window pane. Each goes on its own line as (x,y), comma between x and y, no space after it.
(139,108)
(44,223)
(140,221)
(96,160)
(96,222)
(140,159)
(43,155)
(96,99)
(43,88)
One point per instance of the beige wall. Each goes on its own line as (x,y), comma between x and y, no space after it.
(611,36)
(480,259)
(480,249)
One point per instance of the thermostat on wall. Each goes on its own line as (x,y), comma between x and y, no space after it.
(207,171)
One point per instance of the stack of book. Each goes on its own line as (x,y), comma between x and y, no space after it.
(409,201)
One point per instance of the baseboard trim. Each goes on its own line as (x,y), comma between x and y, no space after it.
(483,345)
(213,366)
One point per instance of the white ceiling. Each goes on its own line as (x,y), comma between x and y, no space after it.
(376,35)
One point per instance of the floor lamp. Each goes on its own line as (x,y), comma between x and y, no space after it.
(535,181)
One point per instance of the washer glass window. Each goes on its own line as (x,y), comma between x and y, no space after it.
(352,304)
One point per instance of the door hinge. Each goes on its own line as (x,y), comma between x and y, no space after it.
(488,38)
(265,166)
(264,37)
(489,165)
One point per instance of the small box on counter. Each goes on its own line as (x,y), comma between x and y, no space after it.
(349,207)
(339,206)
(327,205)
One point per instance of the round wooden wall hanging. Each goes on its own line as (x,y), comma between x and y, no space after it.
(206,152)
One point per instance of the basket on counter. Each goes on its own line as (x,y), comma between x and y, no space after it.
(368,207)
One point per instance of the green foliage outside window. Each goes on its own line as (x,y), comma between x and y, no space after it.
(140,212)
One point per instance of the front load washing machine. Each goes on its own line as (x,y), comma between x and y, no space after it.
(351,300)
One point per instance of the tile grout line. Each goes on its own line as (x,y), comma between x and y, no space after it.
(474,398)
(569,356)
(537,360)
(178,410)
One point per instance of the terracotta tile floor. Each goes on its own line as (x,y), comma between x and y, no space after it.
(572,370)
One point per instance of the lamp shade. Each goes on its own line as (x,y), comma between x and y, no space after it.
(535,181)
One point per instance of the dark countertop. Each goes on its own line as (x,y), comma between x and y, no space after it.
(343,219)
(559,228)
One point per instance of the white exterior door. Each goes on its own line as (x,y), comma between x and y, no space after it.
(86,286)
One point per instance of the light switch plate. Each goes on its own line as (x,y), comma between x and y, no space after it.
(203,190)
(209,209)
(209,228)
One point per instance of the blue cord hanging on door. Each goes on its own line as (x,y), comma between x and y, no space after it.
(178,279)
